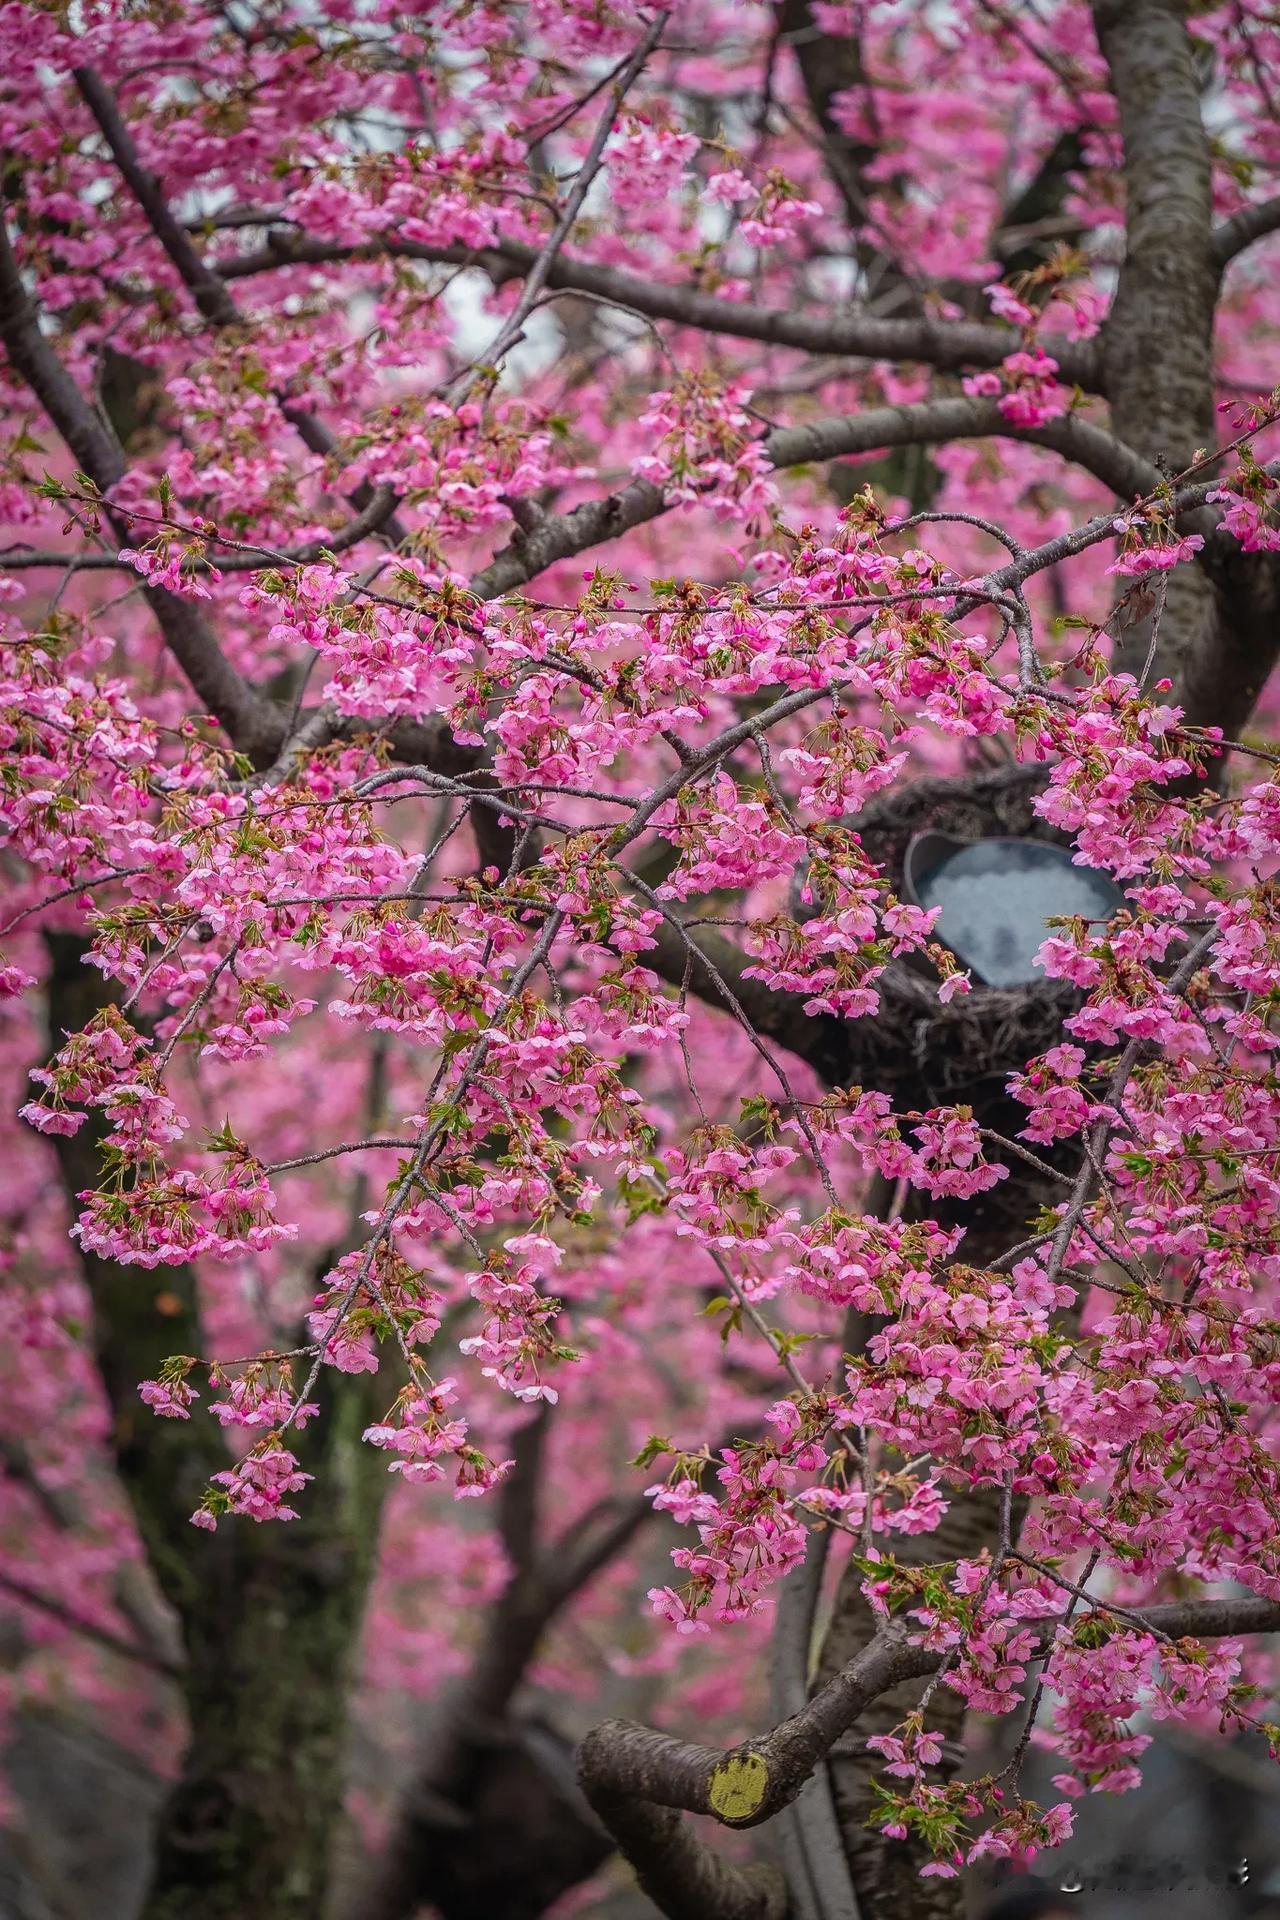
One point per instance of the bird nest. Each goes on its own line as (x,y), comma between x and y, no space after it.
(924,1052)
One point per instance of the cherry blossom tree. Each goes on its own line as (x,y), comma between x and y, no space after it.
(518,515)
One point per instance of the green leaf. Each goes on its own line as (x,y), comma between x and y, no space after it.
(653,1449)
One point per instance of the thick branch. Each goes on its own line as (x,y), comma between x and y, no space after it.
(562,535)
(684,1877)
(1157,344)
(208,291)
(1220,629)
(519,1494)
(948,345)
(746,1785)
(1242,229)
(1100,453)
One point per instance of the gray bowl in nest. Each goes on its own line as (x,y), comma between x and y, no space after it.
(997,897)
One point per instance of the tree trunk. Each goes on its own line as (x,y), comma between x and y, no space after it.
(270,1615)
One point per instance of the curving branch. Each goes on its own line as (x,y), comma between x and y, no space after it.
(639,1781)
(560,536)
(1099,452)
(948,345)
(746,1785)
(1242,229)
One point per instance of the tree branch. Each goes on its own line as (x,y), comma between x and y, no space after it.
(245,559)
(1242,229)
(817,1873)
(948,345)
(710,963)
(136,1594)
(560,536)
(80,1623)
(206,287)
(684,1877)
(518,1495)
(746,1785)
(538,275)
(1033,221)
(1220,629)
(1157,343)
(927,422)
(245,713)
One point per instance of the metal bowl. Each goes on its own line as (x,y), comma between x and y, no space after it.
(997,897)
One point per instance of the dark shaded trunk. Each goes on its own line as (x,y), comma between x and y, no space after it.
(270,1641)
(269,1615)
